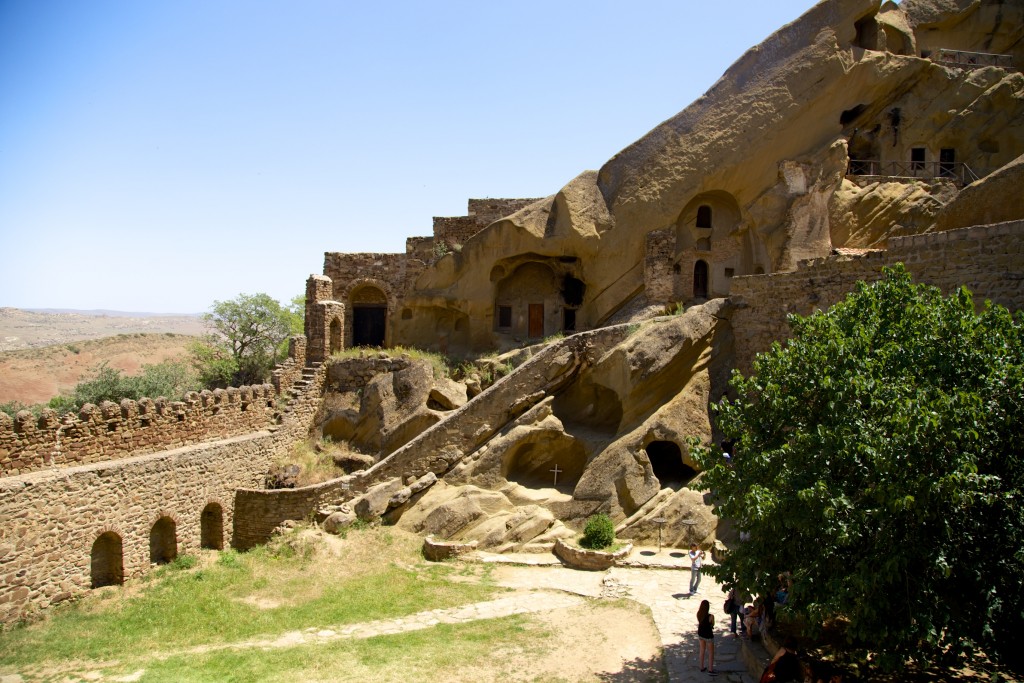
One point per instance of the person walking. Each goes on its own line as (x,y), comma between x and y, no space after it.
(696,560)
(706,636)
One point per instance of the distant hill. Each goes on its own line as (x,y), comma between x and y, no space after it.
(45,352)
(25,329)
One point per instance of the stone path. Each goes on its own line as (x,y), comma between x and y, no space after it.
(660,580)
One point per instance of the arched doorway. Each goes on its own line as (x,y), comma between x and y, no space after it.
(163,541)
(211,527)
(667,462)
(369,316)
(700,280)
(107,560)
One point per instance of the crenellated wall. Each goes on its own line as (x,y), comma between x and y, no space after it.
(988,260)
(54,519)
(111,430)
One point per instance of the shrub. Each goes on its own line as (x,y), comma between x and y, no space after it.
(599,532)
(183,562)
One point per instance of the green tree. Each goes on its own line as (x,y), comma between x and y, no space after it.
(877,457)
(171,379)
(248,335)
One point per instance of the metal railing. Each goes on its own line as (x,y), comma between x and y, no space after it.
(956,171)
(971,60)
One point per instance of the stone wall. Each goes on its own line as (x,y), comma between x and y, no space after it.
(488,210)
(660,270)
(988,260)
(53,517)
(111,430)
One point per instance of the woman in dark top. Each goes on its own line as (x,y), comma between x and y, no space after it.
(706,635)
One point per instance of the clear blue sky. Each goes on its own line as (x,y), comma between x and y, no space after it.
(158,155)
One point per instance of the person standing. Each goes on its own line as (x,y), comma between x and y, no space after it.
(696,560)
(706,636)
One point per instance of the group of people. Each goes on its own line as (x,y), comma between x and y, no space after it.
(752,620)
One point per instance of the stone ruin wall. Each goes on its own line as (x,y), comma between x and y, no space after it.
(53,516)
(988,260)
(489,210)
(110,430)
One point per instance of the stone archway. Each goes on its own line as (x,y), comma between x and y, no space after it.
(667,462)
(107,561)
(211,527)
(163,541)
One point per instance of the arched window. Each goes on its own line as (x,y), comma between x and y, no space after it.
(703,216)
(107,560)
(700,280)
(163,541)
(211,527)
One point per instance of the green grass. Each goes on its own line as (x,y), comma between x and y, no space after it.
(290,585)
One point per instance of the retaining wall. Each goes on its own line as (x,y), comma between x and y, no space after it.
(988,260)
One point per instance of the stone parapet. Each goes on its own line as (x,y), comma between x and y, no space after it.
(110,430)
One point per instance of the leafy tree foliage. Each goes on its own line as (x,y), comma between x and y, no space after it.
(249,332)
(170,379)
(877,457)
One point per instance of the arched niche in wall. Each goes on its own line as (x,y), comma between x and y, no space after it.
(451,329)
(525,300)
(549,460)
(107,561)
(369,305)
(336,335)
(163,541)
(714,216)
(211,527)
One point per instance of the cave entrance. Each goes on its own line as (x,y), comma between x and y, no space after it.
(211,527)
(163,541)
(667,462)
(107,561)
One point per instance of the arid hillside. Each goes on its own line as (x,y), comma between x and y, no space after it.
(44,353)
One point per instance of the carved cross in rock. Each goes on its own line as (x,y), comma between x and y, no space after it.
(557,472)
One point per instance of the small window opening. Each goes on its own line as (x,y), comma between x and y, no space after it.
(729,272)
(504,316)
(704,216)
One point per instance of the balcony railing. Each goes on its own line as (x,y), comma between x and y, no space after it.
(971,60)
(956,171)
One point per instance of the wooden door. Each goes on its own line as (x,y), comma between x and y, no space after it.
(536,320)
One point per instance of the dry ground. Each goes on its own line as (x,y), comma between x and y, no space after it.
(42,354)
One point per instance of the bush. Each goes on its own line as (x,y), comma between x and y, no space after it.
(599,532)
